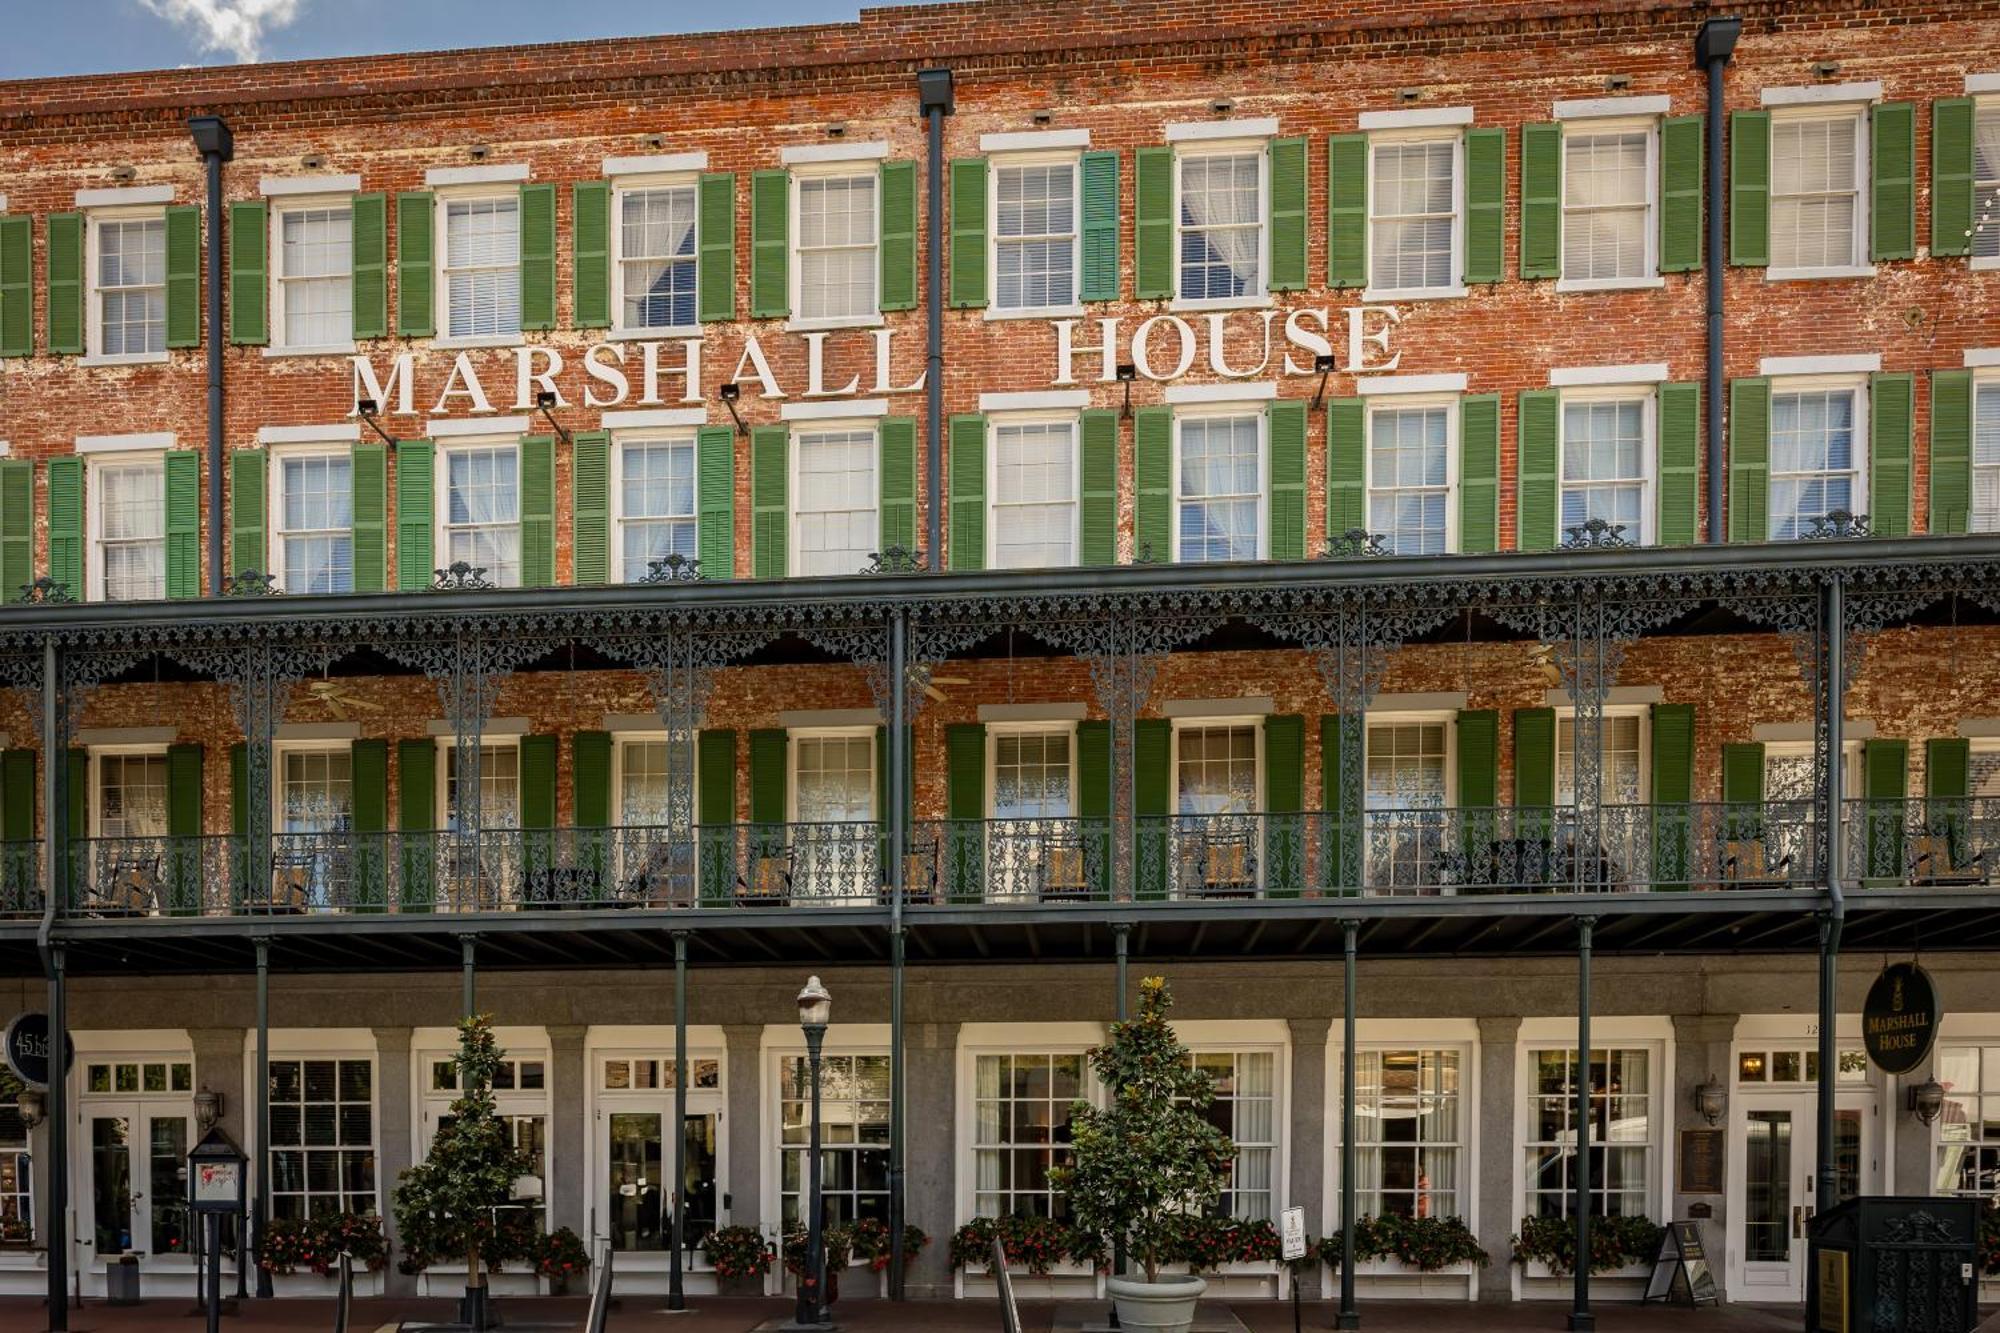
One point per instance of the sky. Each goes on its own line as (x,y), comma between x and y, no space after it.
(95,36)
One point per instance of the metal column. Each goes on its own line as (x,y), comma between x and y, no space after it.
(1349,1317)
(676,1297)
(55,885)
(58,1113)
(1833,631)
(468,978)
(1121,937)
(261,1214)
(899,786)
(1580,1316)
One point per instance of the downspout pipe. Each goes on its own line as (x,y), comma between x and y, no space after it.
(213,140)
(934,95)
(1714,44)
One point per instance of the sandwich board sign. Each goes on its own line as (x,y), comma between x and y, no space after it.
(1292,1234)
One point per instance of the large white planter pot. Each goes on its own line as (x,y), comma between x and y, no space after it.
(1166,1306)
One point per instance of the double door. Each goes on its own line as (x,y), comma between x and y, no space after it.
(1775,1194)
(136,1167)
(636,1208)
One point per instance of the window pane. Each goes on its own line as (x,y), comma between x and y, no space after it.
(1220,489)
(1603,465)
(1815,194)
(483,511)
(835,513)
(836,247)
(657,251)
(483,266)
(1410,246)
(1034,236)
(315,260)
(1034,496)
(1606,192)
(315,523)
(656,504)
(1812,459)
(131,285)
(1408,476)
(1222,232)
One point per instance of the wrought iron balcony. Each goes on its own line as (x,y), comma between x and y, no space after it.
(1948,843)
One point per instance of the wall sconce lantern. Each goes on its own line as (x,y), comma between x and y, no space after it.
(1927,1101)
(1710,1100)
(33,1109)
(207,1109)
(1128,371)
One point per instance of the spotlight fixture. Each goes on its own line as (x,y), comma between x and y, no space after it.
(546,403)
(369,411)
(1222,106)
(1127,372)
(729,393)
(1323,367)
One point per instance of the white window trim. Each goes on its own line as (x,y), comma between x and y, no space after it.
(290,201)
(93,513)
(1237,144)
(1414,118)
(1368,386)
(1578,377)
(1850,754)
(1644,712)
(1651,228)
(1858,385)
(427,1106)
(1985,379)
(1821,94)
(1254,722)
(1053,727)
(486,173)
(983,1039)
(1452,460)
(322,1044)
(1051,157)
(1390,717)
(1831,108)
(1594,108)
(664,178)
(441,487)
(1982,106)
(1647,396)
(93,307)
(282,187)
(657,164)
(1033,141)
(621,1041)
(274,531)
(1458,1036)
(1239,408)
(1031,418)
(1211,131)
(777,1043)
(615,546)
(1403,138)
(1655,1037)
(488,742)
(794,735)
(850,165)
(1252,1036)
(846,422)
(620,739)
(280,749)
(441,249)
(95,754)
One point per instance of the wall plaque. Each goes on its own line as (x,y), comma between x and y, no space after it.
(1701,1161)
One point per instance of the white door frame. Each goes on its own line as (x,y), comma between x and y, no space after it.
(1765,1282)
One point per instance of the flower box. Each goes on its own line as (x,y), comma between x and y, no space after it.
(1540,1283)
(308,1284)
(448,1280)
(1242,1281)
(1065,1281)
(1389,1278)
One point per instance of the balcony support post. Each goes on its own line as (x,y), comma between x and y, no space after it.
(676,1297)
(260,1215)
(1833,635)
(468,975)
(1349,1317)
(1580,1316)
(57,1166)
(1121,941)
(55,887)
(898,821)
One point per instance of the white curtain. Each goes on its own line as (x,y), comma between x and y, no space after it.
(1213,200)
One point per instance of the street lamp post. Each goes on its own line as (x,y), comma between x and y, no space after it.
(815,1008)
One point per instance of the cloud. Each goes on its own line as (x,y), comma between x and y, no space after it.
(237,27)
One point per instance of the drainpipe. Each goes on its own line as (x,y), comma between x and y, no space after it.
(212,139)
(1713,46)
(934,96)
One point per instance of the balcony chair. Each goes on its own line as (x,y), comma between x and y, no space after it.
(1746,864)
(664,879)
(130,888)
(291,885)
(1932,865)
(1219,867)
(1063,873)
(920,873)
(769,883)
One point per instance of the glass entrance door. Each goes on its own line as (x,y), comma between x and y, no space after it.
(698,1184)
(138,1196)
(632,1208)
(1775,1156)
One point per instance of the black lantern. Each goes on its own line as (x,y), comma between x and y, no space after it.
(216,1176)
(815,1010)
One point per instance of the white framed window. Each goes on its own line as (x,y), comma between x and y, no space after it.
(1412,1130)
(1986,185)
(17,1169)
(1220,248)
(1034,482)
(128,793)
(1412,469)
(654,514)
(499,783)
(1609,171)
(642,782)
(521,1101)
(312,537)
(479,292)
(1034,233)
(315,787)
(836,502)
(1246,1109)
(1415,243)
(1985,516)
(127,263)
(1966,1135)
(1788,1066)
(1606,460)
(1624,734)
(1788,772)
(1819,191)
(835,216)
(322,1137)
(854,1095)
(1218,765)
(128,517)
(1218,487)
(1021,1116)
(656,268)
(480,509)
(1408,761)
(1818,452)
(833,775)
(1623,1133)
(312,274)
(1034,770)
(633,1151)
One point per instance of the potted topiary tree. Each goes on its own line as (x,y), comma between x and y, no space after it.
(1148,1159)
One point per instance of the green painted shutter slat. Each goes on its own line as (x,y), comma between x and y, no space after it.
(1346,466)
(1288,214)
(184,277)
(1485,205)
(183,511)
(1347,210)
(538,511)
(965,806)
(715,777)
(1098,508)
(65,280)
(1749,460)
(1680,462)
(17,795)
(1152,829)
(1333,810)
(1541,200)
(66,524)
(767,776)
(1100,226)
(249,244)
(248,469)
(590,778)
(1673,790)
(769,516)
(1951,450)
(17,300)
(1947,767)
(1284,800)
(1743,773)
(899,236)
(715,501)
(1287,511)
(1153,228)
(1536,499)
(1153,446)
(415,563)
(1534,758)
(1750,187)
(183,869)
(715,277)
(770,240)
(968,232)
(538,781)
(17,527)
(898,515)
(1951,176)
(590,507)
(1682,221)
(968,491)
(538,256)
(369,283)
(1477,734)
(1093,802)
(1891,407)
(370,476)
(416,278)
(368,767)
(76,774)
(590,254)
(1479,472)
(1892,181)
(1885,768)
(416,819)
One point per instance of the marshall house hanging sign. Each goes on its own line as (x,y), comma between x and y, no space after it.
(1899,1019)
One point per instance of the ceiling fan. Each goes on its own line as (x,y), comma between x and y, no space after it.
(338,698)
(937,695)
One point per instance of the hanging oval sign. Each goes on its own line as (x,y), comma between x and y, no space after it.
(1899,1019)
(27,1049)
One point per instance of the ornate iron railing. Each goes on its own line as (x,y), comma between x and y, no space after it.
(1947,842)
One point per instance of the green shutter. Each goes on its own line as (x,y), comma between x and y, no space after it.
(1750,187)
(239,789)
(1333,810)
(1947,768)
(1346,466)
(1541,200)
(968,492)
(715,777)
(767,776)
(1479,472)
(183,510)
(1951,450)
(1885,782)
(416,307)
(590,507)
(1891,405)
(184,277)
(1093,802)
(590,779)
(17,795)
(66,524)
(898,516)
(538,256)
(416,818)
(1749,460)
(76,775)
(370,474)
(1288,214)
(1153,231)
(538,781)
(1485,205)
(249,243)
(1534,758)
(1892,181)
(17,527)
(1153,446)
(1673,790)
(538,511)
(769,516)
(1284,870)
(968,232)
(17,301)
(715,500)
(590,254)
(183,869)
(1152,784)
(898,250)
(1682,220)
(1098,510)
(1536,501)
(770,241)
(965,807)
(65,281)
(415,562)
(1680,463)
(1287,418)
(1347,210)
(247,550)
(1477,734)
(1100,226)
(368,768)
(1951,176)
(369,289)
(1743,774)
(715,278)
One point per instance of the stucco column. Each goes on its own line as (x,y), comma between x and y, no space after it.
(569,1165)
(393,1148)
(932,1050)
(1909,1146)
(1701,1055)
(1306,1187)
(220,1068)
(745,1111)
(1494,1219)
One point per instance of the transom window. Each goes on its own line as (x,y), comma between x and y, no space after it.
(131,529)
(835,516)
(836,247)
(131,286)
(1221,488)
(836,778)
(137,1076)
(1034,235)
(1246,1109)
(622,1074)
(1604,464)
(1409,479)
(1622,766)
(322,1138)
(1968,1129)
(316,522)
(656,513)
(1215,768)
(1797,1065)
(1034,495)
(131,795)
(1408,1133)
(643,783)
(483,511)
(1411,241)
(499,785)
(1621,1133)
(1817,167)
(1986,458)
(657,257)
(482,267)
(1406,765)
(1222,225)
(17,1174)
(1814,458)
(1986,182)
(315,286)
(854,1129)
(1607,202)
(510,1075)
(1021,1110)
(1031,775)
(317,794)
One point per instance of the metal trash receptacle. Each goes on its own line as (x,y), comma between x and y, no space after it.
(121,1280)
